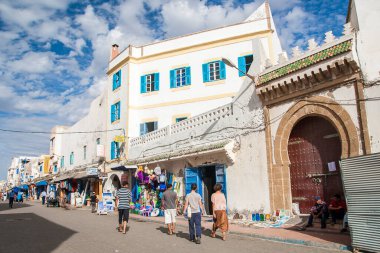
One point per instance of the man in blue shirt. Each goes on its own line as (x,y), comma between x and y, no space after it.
(11,198)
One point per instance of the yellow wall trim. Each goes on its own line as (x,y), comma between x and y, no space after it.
(150,93)
(211,83)
(149,120)
(189,49)
(185,101)
(186,87)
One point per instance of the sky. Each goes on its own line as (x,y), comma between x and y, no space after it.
(54,54)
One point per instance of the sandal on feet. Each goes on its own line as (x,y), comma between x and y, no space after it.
(213,234)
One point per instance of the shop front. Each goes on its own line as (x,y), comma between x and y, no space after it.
(152,178)
(206,176)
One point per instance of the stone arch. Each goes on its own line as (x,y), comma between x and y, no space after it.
(281,196)
(322,107)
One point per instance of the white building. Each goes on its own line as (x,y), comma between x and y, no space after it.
(76,146)
(280,140)
(22,170)
(158,84)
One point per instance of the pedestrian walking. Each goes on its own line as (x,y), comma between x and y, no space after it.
(219,213)
(11,198)
(194,201)
(169,204)
(43,197)
(123,198)
(93,202)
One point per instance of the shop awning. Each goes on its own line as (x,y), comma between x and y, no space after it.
(42,183)
(62,177)
(24,186)
(84,175)
(125,168)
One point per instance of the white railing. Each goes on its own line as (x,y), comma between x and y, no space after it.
(184,125)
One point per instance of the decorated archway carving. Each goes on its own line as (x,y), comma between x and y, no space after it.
(322,107)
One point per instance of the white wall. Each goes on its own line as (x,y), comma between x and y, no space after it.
(368,48)
(373,116)
(94,121)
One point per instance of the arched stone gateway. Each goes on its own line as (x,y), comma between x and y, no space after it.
(327,116)
(112,184)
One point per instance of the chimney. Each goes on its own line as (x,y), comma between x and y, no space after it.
(114,51)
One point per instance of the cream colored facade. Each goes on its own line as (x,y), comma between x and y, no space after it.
(255,36)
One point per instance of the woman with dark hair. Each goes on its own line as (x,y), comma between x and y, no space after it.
(219,206)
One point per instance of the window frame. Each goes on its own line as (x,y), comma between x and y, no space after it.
(115,150)
(116,80)
(180,77)
(84,152)
(71,158)
(144,128)
(153,84)
(214,71)
(179,119)
(243,65)
(115,112)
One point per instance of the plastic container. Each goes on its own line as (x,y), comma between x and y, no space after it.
(257,217)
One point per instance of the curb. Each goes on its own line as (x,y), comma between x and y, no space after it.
(335,246)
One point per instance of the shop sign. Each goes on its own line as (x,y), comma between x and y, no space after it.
(119,138)
(92,171)
(100,150)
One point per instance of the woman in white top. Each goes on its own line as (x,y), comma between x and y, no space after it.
(219,206)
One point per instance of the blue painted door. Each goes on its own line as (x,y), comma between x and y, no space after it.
(220,175)
(192,176)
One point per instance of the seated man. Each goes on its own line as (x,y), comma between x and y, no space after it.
(337,208)
(319,210)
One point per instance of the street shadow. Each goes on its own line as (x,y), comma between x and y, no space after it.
(185,235)
(4,206)
(331,233)
(28,232)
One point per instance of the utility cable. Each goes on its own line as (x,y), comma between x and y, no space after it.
(44,132)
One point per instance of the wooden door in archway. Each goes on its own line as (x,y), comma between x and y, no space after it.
(314,150)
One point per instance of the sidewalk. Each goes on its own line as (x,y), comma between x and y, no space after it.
(327,238)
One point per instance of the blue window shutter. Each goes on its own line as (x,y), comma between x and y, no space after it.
(118,111)
(142,129)
(222,70)
(205,72)
(114,82)
(156,81)
(172,79)
(188,76)
(143,84)
(155,125)
(241,65)
(118,84)
(117,149)
(112,150)
(112,113)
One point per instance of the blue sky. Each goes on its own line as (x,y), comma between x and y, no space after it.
(53,54)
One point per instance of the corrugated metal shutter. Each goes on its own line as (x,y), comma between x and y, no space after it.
(361,179)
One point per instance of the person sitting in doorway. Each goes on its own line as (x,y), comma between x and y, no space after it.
(337,208)
(319,210)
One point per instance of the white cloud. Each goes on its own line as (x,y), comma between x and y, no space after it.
(187,16)
(32,63)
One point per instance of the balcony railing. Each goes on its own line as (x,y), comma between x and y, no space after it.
(184,125)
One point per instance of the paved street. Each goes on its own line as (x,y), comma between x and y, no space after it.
(34,228)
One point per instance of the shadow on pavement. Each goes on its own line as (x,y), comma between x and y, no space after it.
(27,232)
(4,206)
(185,235)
